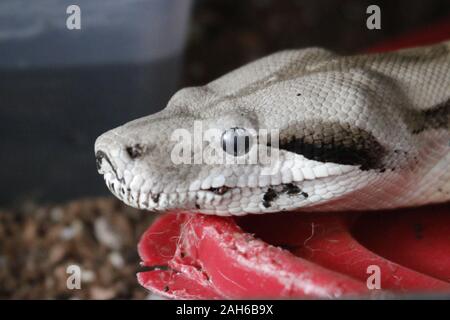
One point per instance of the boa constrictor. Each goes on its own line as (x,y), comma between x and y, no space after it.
(359,132)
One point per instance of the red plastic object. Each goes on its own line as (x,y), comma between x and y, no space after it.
(298,255)
(310,255)
(431,34)
(213,257)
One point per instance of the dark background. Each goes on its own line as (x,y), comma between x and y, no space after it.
(226,34)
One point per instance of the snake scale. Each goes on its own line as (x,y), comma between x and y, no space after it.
(359,132)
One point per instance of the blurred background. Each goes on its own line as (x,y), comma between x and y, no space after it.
(61,88)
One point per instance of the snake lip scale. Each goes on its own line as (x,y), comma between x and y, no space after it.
(360,132)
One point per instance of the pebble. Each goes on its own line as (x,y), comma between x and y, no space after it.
(106,234)
(116,259)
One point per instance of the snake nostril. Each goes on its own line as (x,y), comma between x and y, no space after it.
(135,151)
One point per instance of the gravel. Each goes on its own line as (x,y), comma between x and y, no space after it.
(38,243)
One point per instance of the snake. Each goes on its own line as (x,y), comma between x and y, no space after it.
(305,130)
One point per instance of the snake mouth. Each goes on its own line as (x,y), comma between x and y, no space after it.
(100,158)
(222,200)
(218,191)
(138,199)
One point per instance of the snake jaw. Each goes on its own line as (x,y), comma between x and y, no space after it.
(224,200)
(135,176)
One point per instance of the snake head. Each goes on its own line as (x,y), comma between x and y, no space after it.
(233,160)
(298,130)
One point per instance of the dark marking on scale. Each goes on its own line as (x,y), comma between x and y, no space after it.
(292,189)
(269,197)
(437,117)
(337,143)
(155,197)
(274,192)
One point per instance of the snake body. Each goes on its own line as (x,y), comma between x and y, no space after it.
(360,132)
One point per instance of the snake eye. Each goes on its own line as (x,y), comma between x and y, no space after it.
(236,141)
